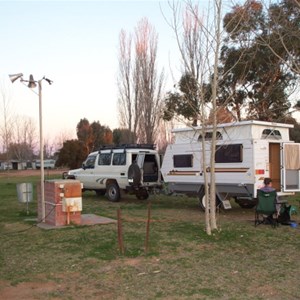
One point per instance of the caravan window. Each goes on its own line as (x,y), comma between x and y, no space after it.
(271,134)
(229,153)
(208,136)
(183,161)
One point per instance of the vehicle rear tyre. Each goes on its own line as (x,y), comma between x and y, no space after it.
(142,195)
(113,192)
(134,175)
(202,201)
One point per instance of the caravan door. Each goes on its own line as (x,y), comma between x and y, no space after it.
(290,171)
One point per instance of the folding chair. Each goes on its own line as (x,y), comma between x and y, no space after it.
(266,208)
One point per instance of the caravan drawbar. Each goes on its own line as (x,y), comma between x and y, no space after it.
(246,153)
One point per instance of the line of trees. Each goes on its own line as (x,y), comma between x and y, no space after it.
(90,137)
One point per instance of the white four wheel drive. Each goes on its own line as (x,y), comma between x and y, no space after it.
(133,168)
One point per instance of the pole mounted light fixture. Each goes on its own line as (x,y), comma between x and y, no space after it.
(33,84)
(14,77)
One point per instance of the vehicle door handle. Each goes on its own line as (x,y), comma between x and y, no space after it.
(122,174)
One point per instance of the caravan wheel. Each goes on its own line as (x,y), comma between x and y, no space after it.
(202,201)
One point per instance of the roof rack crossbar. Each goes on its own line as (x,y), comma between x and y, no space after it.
(126,146)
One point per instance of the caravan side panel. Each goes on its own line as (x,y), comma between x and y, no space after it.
(234,175)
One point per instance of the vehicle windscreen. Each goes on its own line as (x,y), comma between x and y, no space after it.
(90,162)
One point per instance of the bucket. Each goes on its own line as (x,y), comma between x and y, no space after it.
(24,191)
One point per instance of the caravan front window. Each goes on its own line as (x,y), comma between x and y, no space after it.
(229,153)
(208,136)
(271,134)
(183,161)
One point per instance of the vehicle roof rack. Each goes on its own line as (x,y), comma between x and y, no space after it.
(127,146)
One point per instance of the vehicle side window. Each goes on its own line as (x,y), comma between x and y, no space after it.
(104,159)
(119,159)
(90,162)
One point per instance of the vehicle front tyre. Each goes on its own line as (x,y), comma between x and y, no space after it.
(113,192)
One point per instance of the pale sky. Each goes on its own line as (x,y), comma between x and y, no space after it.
(75,44)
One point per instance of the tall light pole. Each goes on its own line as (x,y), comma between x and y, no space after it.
(32,84)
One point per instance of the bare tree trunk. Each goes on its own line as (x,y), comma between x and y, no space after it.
(197,39)
(215,81)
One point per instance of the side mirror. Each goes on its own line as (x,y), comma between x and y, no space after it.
(83,166)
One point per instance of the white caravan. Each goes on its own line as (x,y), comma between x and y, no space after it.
(246,153)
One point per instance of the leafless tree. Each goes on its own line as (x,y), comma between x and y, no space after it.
(61,138)
(23,138)
(199,38)
(139,82)
(126,84)
(6,120)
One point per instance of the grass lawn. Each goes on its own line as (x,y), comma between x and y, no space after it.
(84,262)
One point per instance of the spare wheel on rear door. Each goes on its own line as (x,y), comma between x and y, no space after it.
(134,175)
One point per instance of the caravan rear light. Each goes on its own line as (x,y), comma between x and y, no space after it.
(259,171)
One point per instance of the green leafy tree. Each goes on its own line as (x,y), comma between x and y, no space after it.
(102,135)
(285,43)
(185,101)
(97,133)
(85,135)
(254,79)
(71,155)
